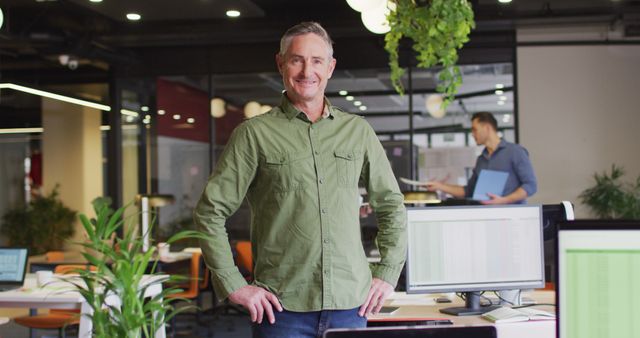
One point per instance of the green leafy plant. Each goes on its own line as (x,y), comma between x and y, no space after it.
(438,29)
(611,198)
(42,225)
(121,266)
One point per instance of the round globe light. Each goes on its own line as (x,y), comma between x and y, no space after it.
(364,5)
(251,109)
(217,107)
(375,20)
(265,108)
(434,106)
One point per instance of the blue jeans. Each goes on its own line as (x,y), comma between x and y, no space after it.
(307,324)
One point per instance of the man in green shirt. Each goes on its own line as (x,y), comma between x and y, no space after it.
(299,166)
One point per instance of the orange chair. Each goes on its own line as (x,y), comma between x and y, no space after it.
(55,319)
(54,256)
(191,288)
(244,257)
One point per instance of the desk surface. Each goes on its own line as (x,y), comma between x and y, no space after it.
(75,257)
(530,329)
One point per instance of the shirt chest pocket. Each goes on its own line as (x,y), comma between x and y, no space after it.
(348,163)
(286,171)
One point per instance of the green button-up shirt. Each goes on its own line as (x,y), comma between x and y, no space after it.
(301,182)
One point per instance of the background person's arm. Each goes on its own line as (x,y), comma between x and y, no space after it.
(457,191)
(514,197)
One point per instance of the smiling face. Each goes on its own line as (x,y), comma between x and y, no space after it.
(306,66)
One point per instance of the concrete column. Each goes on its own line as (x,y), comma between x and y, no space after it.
(72,155)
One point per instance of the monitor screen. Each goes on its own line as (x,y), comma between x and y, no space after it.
(13,263)
(474,248)
(598,278)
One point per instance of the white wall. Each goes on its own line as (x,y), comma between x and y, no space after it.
(579,112)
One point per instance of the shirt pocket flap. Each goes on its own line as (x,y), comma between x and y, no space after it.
(276,158)
(348,155)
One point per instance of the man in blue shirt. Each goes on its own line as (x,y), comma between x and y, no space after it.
(497,155)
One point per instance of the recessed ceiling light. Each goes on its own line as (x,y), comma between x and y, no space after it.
(357,103)
(161,112)
(504,1)
(506,118)
(232,13)
(176,116)
(499,86)
(500,103)
(147,117)
(499,92)
(343,92)
(503,98)
(363,108)
(349,98)
(144,108)
(191,120)
(95,0)
(134,16)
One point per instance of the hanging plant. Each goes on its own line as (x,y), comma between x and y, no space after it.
(438,29)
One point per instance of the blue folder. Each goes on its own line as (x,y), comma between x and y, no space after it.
(489,181)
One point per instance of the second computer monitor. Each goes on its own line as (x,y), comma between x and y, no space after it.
(474,248)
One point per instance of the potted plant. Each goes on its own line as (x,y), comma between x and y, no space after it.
(438,28)
(121,267)
(611,198)
(42,225)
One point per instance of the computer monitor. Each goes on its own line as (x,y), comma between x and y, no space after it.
(414,332)
(472,249)
(13,266)
(598,278)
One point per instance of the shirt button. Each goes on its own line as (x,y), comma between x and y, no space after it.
(326,241)
(324,211)
(316,152)
(321,181)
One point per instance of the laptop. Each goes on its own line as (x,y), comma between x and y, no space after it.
(414,332)
(598,271)
(13,267)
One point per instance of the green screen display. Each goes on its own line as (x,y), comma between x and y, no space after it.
(603,293)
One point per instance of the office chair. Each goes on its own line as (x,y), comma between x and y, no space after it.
(244,258)
(56,318)
(54,256)
(192,289)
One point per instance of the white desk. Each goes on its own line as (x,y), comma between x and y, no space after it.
(530,329)
(59,295)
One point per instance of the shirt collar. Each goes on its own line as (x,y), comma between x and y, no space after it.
(502,144)
(291,111)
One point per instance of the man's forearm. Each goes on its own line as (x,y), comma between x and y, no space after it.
(516,196)
(454,190)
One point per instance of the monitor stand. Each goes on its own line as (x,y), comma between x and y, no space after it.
(472,306)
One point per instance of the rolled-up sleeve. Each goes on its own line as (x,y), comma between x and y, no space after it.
(388,203)
(524,171)
(222,196)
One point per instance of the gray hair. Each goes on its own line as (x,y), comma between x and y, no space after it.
(305,28)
